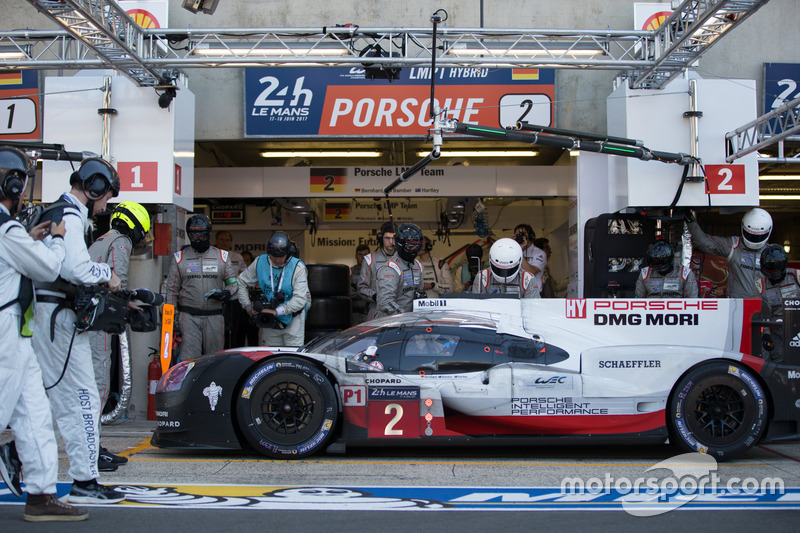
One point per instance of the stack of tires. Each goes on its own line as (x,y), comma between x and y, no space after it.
(330,299)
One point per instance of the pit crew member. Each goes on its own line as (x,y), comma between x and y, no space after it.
(400,279)
(367,283)
(662,278)
(505,274)
(776,284)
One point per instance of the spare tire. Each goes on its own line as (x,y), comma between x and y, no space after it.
(331,312)
(328,280)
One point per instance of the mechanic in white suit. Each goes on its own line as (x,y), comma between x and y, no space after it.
(23,402)
(64,355)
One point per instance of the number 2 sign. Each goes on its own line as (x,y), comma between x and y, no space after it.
(725,179)
(138,176)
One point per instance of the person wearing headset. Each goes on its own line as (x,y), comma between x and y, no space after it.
(130,222)
(435,273)
(200,279)
(534,260)
(65,357)
(23,402)
(400,279)
(368,282)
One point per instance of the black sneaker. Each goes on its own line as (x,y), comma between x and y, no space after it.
(93,492)
(114,458)
(11,468)
(104,464)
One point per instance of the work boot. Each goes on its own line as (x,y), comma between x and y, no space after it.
(93,492)
(48,508)
(112,457)
(11,468)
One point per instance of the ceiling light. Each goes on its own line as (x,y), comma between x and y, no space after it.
(204,49)
(15,52)
(574,153)
(517,50)
(484,153)
(785,197)
(780,177)
(353,153)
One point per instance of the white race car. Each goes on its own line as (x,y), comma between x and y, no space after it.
(499,370)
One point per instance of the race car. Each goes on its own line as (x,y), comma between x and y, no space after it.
(497,370)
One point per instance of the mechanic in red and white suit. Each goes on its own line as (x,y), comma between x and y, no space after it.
(776,284)
(200,279)
(662,278)
(400,279)
(505,275)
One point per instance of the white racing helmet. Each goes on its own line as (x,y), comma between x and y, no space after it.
(505,258)
(756,228)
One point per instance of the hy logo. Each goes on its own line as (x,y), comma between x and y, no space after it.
(576,308)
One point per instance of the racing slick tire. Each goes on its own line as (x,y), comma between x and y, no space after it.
(329,312)
(328,280)
(718,408)
(287,408)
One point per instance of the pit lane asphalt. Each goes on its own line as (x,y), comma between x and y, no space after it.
(255,485)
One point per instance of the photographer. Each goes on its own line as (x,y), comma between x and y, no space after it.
(23,402)
(130,222)
(64,355)
(280,310)
(534,259)
(474,255)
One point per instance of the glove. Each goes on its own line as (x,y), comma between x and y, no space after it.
(419,294)
(219,295)
(374,297)
(688,215)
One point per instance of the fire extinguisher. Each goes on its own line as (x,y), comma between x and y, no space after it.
(153,375)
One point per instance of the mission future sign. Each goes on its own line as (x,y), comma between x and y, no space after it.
(341,102)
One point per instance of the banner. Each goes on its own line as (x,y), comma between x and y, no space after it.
(339,102)
(19,105)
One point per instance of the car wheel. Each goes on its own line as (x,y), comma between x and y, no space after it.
(287,408)
(719,409)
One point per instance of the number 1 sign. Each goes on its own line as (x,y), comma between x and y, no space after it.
(138,176)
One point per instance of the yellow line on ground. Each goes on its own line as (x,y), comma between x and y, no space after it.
(136,449)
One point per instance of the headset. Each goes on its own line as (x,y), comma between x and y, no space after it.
(96,178)
(16,168)
(386,227)
(428,244)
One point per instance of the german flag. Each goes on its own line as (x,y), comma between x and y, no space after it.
(11,77)
(328,180)
(524,73)
(337,211)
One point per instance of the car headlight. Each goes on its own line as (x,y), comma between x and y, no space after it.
(173,379)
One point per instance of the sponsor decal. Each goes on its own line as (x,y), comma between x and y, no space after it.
(248,387)
(393,393)
(169,424)
(794,374)
(576,308)
(353,395)
(630,364)
(382,381)
(212,392)
(650,319)
(551,382)
(553,406)
(655,305)
(162,414)
(795,342)
(431,303)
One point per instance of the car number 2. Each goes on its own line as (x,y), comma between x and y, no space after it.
(398,415)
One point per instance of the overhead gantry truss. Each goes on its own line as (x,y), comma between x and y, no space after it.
(98,34)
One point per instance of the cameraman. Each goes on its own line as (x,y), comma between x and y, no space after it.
(23,402)
(534,259)
(130,222)
(65,357)
(283,280)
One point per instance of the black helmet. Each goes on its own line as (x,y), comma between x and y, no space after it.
(408,239)
(15,169)
(96,177)
(278,245)
(773,263)
(660,257)
(198,229)
(474,250)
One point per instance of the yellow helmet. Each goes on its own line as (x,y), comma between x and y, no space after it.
(131,219)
